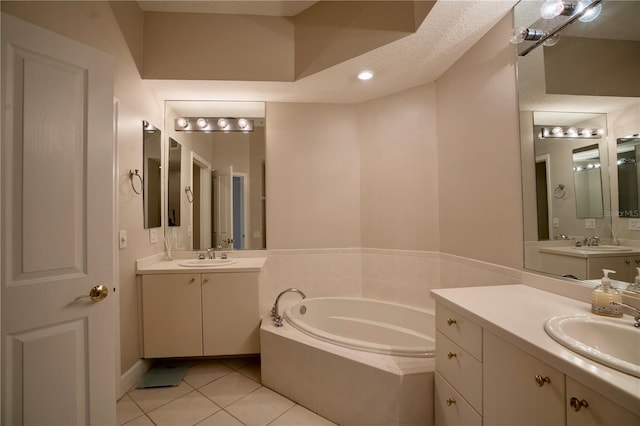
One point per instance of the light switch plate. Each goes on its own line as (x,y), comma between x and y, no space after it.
(590,224)
(122,239)
(634,224)
(556,222)
(153,235)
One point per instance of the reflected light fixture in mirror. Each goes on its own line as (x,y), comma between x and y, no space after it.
(213,124)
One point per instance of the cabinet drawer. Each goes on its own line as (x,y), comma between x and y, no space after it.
(451,408)
(459,329)
(460,369)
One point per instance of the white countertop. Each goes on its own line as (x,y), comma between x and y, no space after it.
(158,265)
(578,252)
(517,314)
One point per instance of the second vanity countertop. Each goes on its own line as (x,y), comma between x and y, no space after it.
(517,314)
(591,253)
(158,265)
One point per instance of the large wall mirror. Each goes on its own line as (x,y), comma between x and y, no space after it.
(152,175)
(579,121)
(216,175)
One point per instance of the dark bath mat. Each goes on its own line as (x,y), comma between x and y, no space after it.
(163,375)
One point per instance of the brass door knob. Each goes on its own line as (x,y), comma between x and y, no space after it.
(451,355)
(450,401)
(451,321)
(96,294)
(540,381)
(577,404)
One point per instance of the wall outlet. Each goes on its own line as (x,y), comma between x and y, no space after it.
(189,231)
(590,224)
(556,222)
(153,235)
(122,239)
(634,224)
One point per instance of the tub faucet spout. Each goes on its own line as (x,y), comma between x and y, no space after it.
(274,311)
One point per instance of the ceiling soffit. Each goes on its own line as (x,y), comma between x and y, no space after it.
(213,46)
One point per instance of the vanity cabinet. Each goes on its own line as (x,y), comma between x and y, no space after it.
(458,378)
(518,388)
(590,268)
(200,314)
(482,378)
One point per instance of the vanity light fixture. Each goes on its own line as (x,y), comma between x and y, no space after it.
(555,15)
(213,124)
(365,75)
(570,132)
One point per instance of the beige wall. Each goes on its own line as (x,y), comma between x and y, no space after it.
(334,170)
(94,24)
(312,176)
(480,202)
(399,171)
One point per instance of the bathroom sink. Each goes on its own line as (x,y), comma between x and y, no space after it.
(610,342)
(207,263)
(604,248)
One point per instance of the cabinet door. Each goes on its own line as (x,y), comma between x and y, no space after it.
(511,394)
(231,317)
(171,315)
(598,409)
(620,264)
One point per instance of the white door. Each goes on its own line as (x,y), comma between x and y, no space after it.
(223,206)
(58,231)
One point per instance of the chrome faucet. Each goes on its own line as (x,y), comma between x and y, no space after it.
(212,251)
(636,317)
(592,241)
(274,311)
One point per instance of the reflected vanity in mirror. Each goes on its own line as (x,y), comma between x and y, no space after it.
(152,175)
(215,185)
(578,99)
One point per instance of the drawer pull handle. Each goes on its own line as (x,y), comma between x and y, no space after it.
(450,401)
(451,321)
(192,280)
(577,404)
(540,381)
(451,355)
(206,280)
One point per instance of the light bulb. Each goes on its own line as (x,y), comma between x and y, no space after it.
(242,123)
(600,132)
(202,123)
(587,132)
(557,131)
(572,131)
(551,8)
(552,40)
(182,122)
(545,132)
(365,75)
(521,34)
(222,123)
(591,13)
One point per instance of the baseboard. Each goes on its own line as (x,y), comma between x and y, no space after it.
(132,375)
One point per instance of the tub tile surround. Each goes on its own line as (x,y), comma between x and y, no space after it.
(346,386)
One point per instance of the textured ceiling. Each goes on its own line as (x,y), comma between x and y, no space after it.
(449,30)
(233,7)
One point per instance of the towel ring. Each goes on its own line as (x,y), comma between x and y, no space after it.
(189,194)
(559,192)
(133,173)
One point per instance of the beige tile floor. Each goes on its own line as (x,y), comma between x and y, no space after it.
(224,392)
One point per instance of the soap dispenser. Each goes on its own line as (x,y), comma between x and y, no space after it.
(603,295)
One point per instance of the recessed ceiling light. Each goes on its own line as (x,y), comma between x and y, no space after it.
(365,75)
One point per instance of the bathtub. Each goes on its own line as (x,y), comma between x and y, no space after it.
(353,361)
(366,325)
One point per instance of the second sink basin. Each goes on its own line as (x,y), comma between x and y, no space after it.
(607,341)
(207,263)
